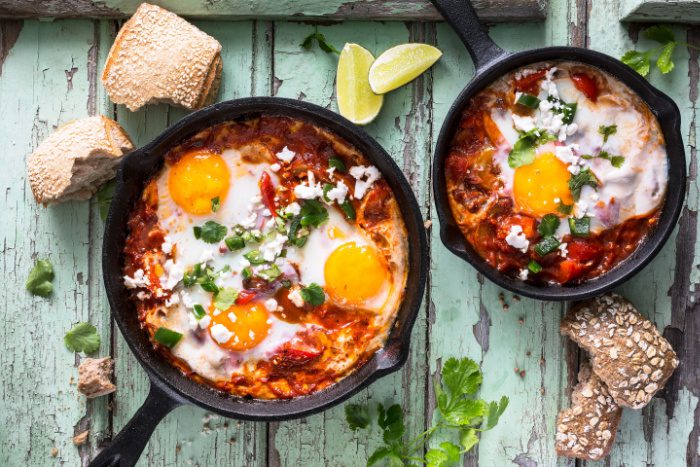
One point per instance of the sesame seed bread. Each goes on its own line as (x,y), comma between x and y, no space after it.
(587,430)
(76,159)
(626,349)
(159,57)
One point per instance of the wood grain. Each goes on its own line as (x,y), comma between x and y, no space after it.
(392,10)
(668,11)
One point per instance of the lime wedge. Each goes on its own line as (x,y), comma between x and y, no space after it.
(400,65)
(356,101)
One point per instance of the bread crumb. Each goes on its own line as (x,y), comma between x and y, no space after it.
(54,452)
(94,377)
(80,438)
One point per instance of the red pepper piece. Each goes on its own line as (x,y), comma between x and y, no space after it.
(530,83)
(267,191)
(245,296)
(586,85)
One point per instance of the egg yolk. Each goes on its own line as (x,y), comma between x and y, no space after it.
(197,178)
(247,323)
(354,273)
(539,187)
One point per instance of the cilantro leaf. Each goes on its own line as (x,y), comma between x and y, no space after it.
(82,337)
(387,453)
(319,38)
(639,61)
(215,204)
(40,278)
(391,421)
(313,294)
(659,33)
(468,439)
(447,454)
(565,208)
(607,131)
(523,152)
(495,411)
(104,198)
(461,376)
(357,416)
(313,213)
(664,62)
(210,232)
(464,411)
(548,225)
(225,298)
(581,179)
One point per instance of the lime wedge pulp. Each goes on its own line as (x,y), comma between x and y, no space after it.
(356,101)
(400,65)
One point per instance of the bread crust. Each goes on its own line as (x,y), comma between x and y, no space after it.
(159,57)
(76,159)
(627,351)
(587,430)
(94,377)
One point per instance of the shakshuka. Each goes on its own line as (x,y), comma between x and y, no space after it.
(267,258)
(556,173)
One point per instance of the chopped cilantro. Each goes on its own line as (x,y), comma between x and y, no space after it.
(40,279)
(225,298)
(215,204)
(82,337)
(578,181)
(210,232)
(336,164)
(313,294)
(523,152)
(548,225)
(607,131)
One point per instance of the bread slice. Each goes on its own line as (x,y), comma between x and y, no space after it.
(76,159)
(159,57)
(587,430)
(627,351)
(95,377)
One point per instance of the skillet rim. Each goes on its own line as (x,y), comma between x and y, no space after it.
(661,105)
(145,161)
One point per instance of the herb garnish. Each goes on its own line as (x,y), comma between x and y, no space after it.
(210,232)
(607,131)
(528,100)
(460,414)
(313,294)
(523,151)
(578,181)
(568,111)
(225,298)
(167,337)
(82,337)
(565,208)
(548,225)
(547,245)
(319,38)
(641,60)
(215,204)
(534,267)
(40,278)
(312,214)
(616,161)
(580,227)
(337,164)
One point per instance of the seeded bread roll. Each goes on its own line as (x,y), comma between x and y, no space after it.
(159,57)
(76,159)
(587,430)
(626,349)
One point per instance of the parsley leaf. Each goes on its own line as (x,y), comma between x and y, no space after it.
(523,152)
(210,232)
(319,38)
(82,337)
(607,131)
(313,294)
(225,298)
(357,416)
(578,181)
(40,278)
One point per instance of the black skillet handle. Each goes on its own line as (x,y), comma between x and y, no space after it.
(126,448)
(461,16)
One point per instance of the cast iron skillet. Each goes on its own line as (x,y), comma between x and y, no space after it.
(169,388)
(492,62)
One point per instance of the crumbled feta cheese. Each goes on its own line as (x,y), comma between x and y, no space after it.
(517,239)
(205,322)
(295,297)
(142,295)
(523,274)
(244,263)
(186,299)
(574,169)
(272,249)
(251,334)
(365,177)
(310,190)
(139,279)
(594,196)
(173,273)
(293,209)
(232,316)
(523,123)
(285,155)
(266,213)
(275,167)
(220,333)
(517,95)
(167,245)
(580,208)
(330,171)
(207,255)
(562,249)
(271,304)
(566,154)
(173,300)
(338,193)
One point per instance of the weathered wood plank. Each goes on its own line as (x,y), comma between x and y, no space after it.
(402,128)
(395,10)
(44,83)
(190,435)
(667,11)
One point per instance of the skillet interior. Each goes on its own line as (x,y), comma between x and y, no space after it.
(663,108)
(136,169)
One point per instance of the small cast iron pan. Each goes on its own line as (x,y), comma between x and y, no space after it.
(492,62)
(169,387)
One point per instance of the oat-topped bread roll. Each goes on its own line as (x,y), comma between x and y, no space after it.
(626,349)
(587,429)
(160,57)
(76,159)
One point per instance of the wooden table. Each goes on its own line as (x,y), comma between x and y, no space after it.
(49,74)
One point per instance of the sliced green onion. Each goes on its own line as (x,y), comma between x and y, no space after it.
(247,273)
(235,242)
(337,164)
(580,227)
(528,100)
(209,285)
(348,210)
(271,273)
(534,267)
(167,337)
(547,245)
(254,256)
(198,311)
